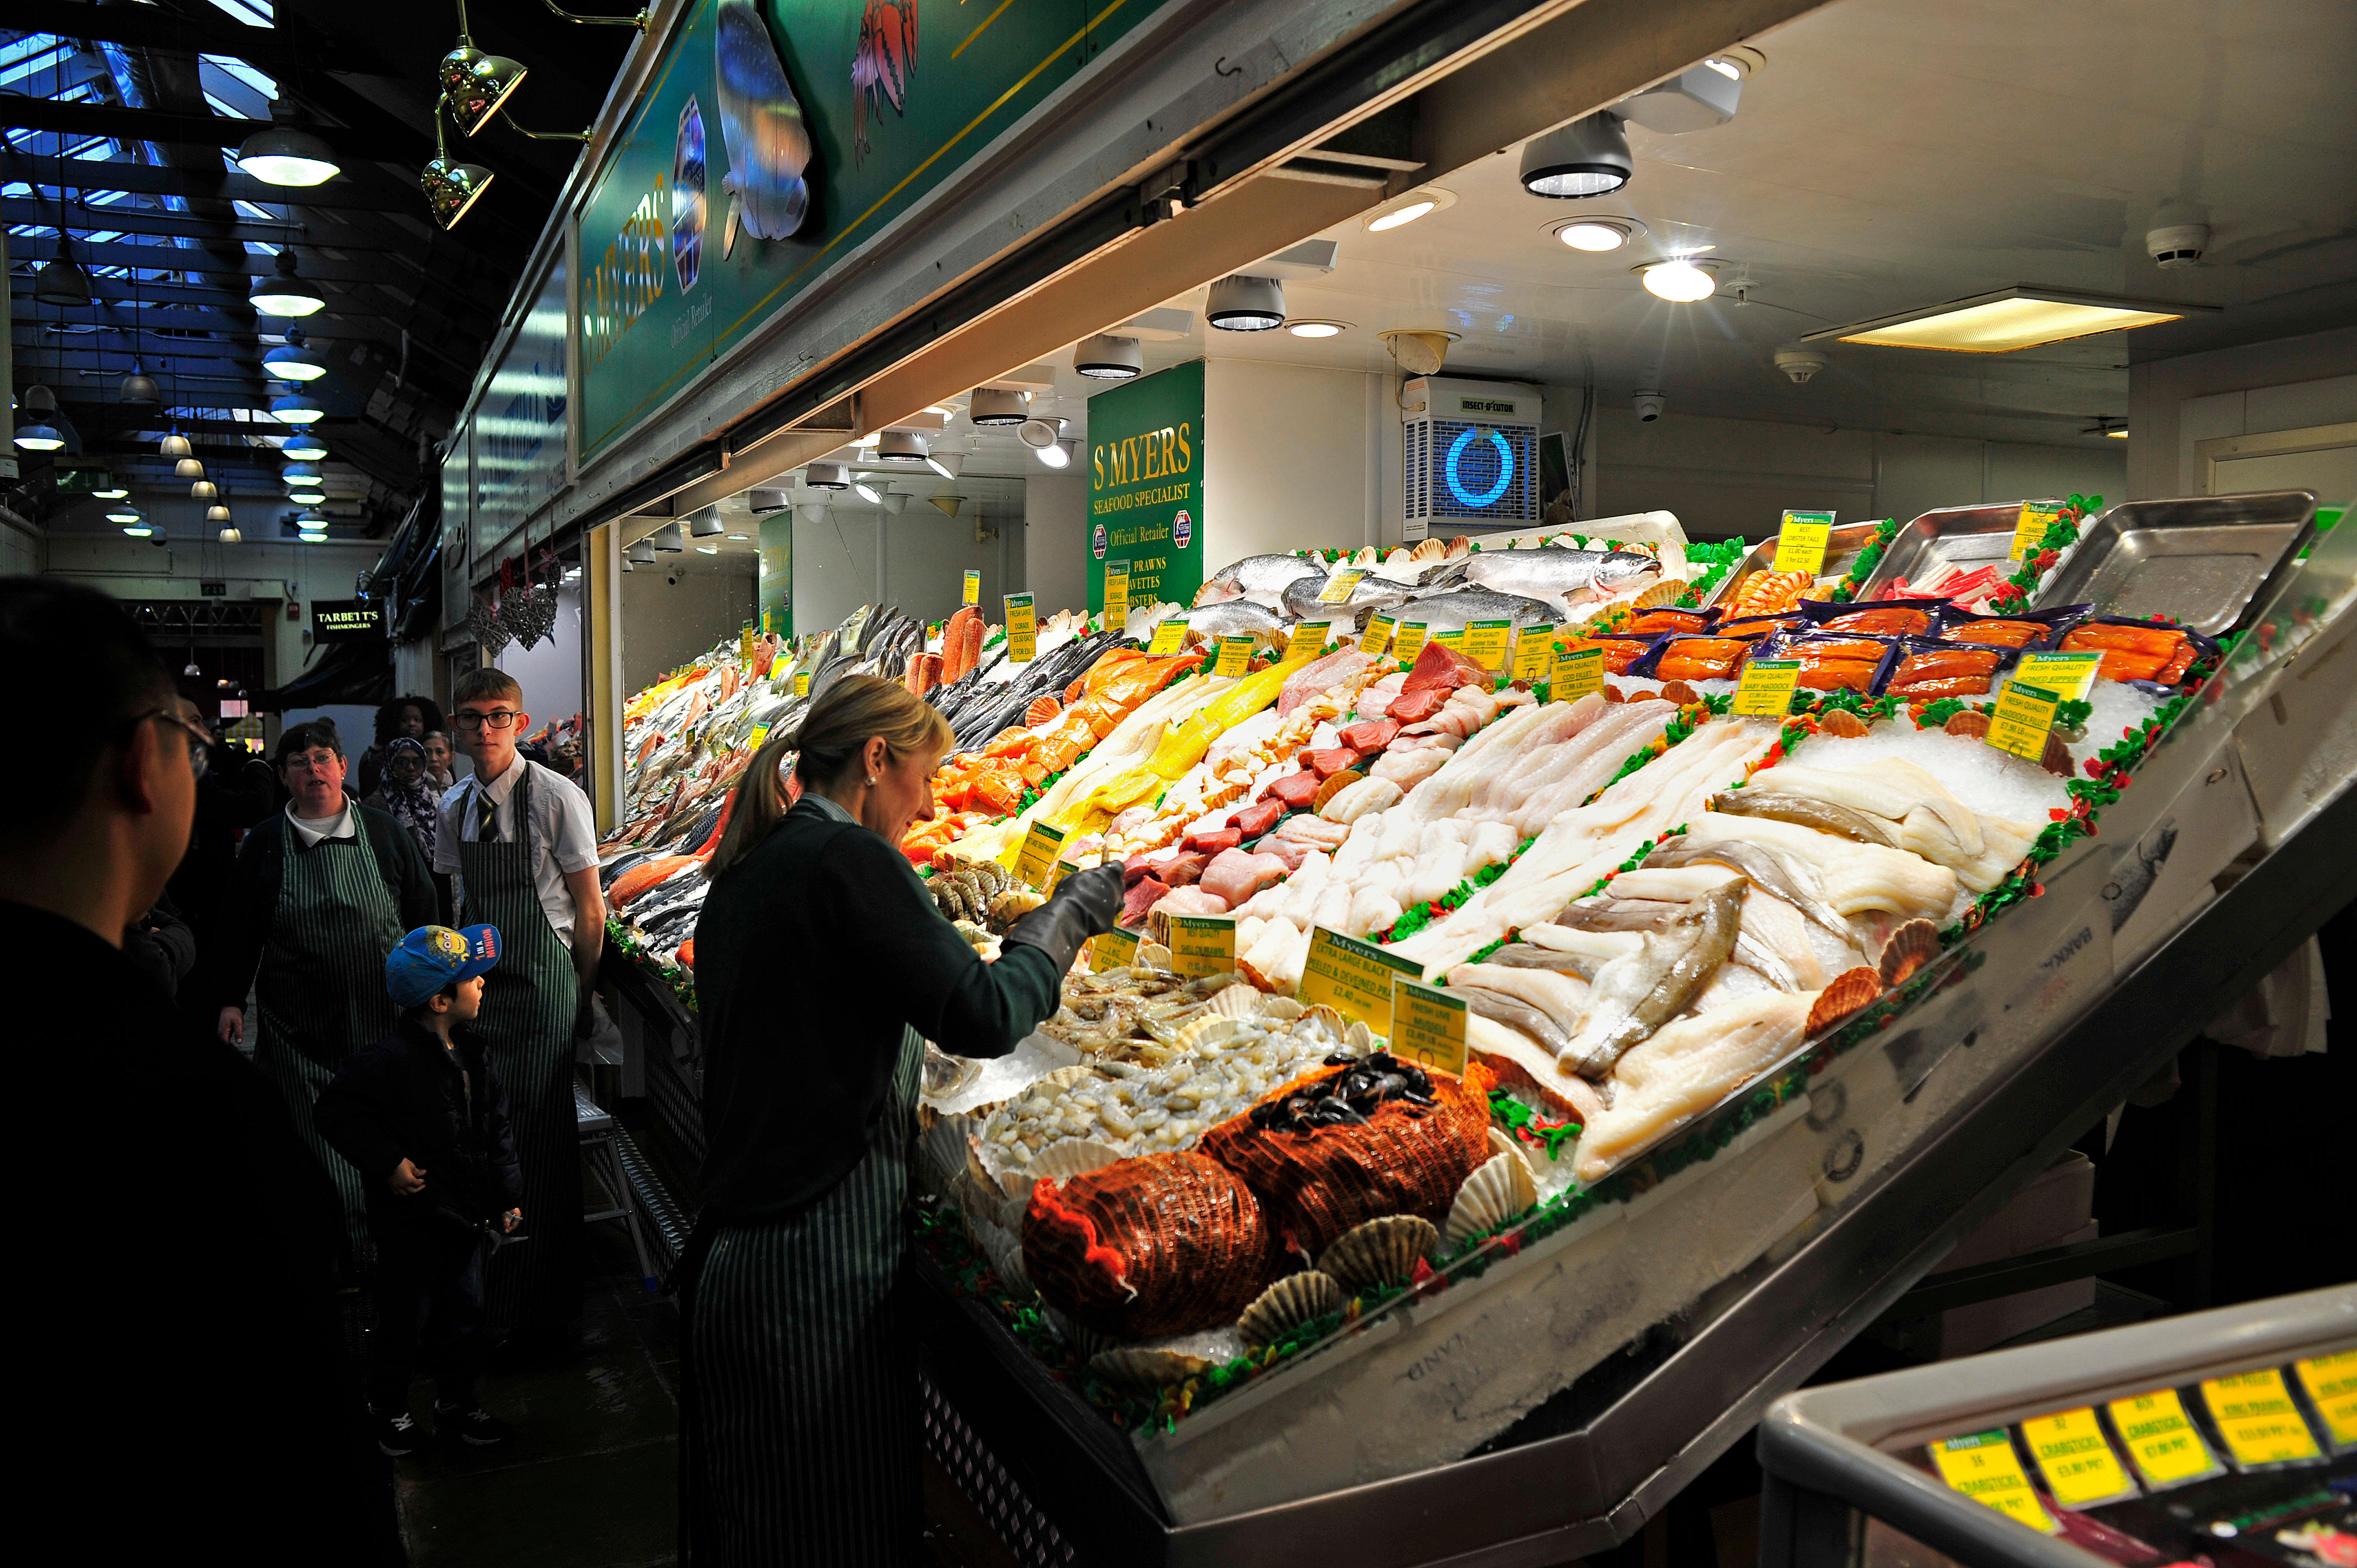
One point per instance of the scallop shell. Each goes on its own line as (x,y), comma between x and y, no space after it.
(1142,1367)
(1084,1340)
(1215,1030)
(1327,1018)
(1502,1143)
(1428,549)
(1281,1009)
(1004,1251)
(1069,1157)
(948,1145)
(1335,784)
(1500,1189)
(1841,722)
(1969,723)
(1041,710)
(1290,1302)
(985,1186)
(2057,759)
(1010,1213)
(1359,1039)
(1236,1002)
(1380,1252)
(1678,692)
(1849,991)
(1910,947)
(1664,592)
(1151,955)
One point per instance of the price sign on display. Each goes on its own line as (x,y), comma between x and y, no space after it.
(2161,1442)
(2036,518)
(802,682)
(1201,945)
(2076,1459)
(1308,640)
(1408,641)
(1037,858)
(1236,655)
(1353,977)
(2068,675)
(2331,1385)
(1451,639)
(1339,586)
(1114,950)
(972,586)
(2024,716)
(1983,1468)
(1535,653)
(1022,629)
(1766,690)
(1378,636)
(2257,1420)
(1428,1025)
(1168,638)
(1577,672)
(1485,642)
(1801,542)
(1117,594)
(760,734)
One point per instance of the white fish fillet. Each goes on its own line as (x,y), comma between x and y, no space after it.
(1678,885)
(1522,1063)
(1352,801)
(1689,1065)
(1562,997)
(1785,931)
(1853,877)
(1602,946)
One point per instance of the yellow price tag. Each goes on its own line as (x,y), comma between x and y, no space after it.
(1022,629)
(1037,858)
(1117,594)
(802,682)
(1455,640)
(1765,691)
(1378,636)
(1116,948)
(1535,653)
(2076,1458)
(1485,642)
(1353,977)
(1201,945)
(1801,542)
(1340,587)
(2069,676)
(1168,638)
(1235,654)
(1983,1468)
(1428,1025)
(760,734)
(1577,672)
(972,586)
(1307,641)
(2036,518)
(2331,1385)
(2161,1442)
(2257,1420)
(1408,641)
(2024,716)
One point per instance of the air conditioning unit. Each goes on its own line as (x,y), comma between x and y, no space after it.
(1470,451)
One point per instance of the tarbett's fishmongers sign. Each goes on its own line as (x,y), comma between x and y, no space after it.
(1146,489)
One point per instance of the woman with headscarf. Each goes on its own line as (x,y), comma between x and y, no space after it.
(407,795)
(412,716)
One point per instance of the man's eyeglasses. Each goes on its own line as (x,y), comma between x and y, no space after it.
(201,739)
(499,718)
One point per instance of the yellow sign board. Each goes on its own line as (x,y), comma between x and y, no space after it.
(1378,636)
(760,734)
(1408,641)
(972,586)
(2070,675)
(1116,948)
(2331,1385)
(1353,977)
(2256,1418)
(1339,586)
(1307,641)
(2076,1458)
(1485,642)
(1765,691)
(1535,653)
(1117,594)
(1428,1025)
(2161,1442)
(1202,944)
(1801,542)
(1577,672)
(1022,629)
(1037,858)
(2036,518)
(2024,716)
(1168,638)
(1236,655)
(802,682)
(1985,1468)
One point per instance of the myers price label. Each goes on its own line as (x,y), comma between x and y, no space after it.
(1114,950)
(1455,640)
(1339,586)
(802,682)
(1037,858)
(1428,1025)
(1801,542)
(2161,1444)
(1378,636)
(1235,654)
(2256,1418)
(2031,527)
(2331,1385)
(1117,594)
(1022,629)
(1168,638)
(2070,675)
(1353,977)
(1308,640)
(1985,1468)
(2076,1459)
(1408,641)
(1202,944)
(1577,672)
(973,588)
(1485,642)
(1766,690)
(760,734)
(1535,653)
(2023,716)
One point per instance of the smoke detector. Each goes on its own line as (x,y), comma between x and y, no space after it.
(1799,361)
(2178,244)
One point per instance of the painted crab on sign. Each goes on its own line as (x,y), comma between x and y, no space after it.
(880,69)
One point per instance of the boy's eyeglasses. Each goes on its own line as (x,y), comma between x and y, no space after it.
(499,718)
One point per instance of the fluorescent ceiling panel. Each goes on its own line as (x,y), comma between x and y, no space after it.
(2011,320)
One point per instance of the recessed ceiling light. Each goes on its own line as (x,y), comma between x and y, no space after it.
(2011,319)
(1316,328)
(867,492)
(707,549)
(1599,234)
(1404,209)
(2119,435)
(741,538)
(1678,280)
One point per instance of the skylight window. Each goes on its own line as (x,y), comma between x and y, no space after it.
(253,13)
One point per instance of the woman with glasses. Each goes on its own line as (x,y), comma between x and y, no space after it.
(320,894)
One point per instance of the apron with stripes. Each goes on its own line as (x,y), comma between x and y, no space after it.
(319,993)
(530,998)
(798,1426)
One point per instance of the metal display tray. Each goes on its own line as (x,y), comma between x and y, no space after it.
(1843,546)
(2200,560)
(1959,536)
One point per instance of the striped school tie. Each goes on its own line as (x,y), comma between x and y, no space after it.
(486,818)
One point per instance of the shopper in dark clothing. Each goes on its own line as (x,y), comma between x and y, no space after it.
(197,1255)
(416,717)
(161,944)
(425,1119)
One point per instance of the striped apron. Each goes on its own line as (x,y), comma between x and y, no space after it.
(319,992)
(799,1418)
(530,998)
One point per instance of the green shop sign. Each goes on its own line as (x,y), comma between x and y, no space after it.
(777,137)
(1146,485)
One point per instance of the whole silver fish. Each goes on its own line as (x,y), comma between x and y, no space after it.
(1514,1012)
(1369,595)
(1261,578)
(1636,995)
(1561,576)
(1234,617)
(1761,864)
(1454,610)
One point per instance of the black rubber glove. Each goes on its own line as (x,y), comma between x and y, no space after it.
(1085,904)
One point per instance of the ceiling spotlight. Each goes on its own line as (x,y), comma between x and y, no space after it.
(896,501)
(304,446)
(707,524)
(1241,303)
(188,469)
(1040,434)
(1678,280)
(765,498)
(1398,216)
(1316,328)
(296,408)
(998,405)
(867,492)
(641,554)
(285,154)
(285,294)
(1058,455)
(906,447)
(173,446)
(475,84)
(451,188)
(204,490)
(1587,158)
(1694,100)
(668,539)
(293,360)
(1599,234)
(63,281)
(2011,319)
(1405,209)
(1106,358)
(139,388)
(826,476)
(946,463)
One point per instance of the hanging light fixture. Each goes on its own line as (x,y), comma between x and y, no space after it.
(188,469)
(139,388)
(204,490)
(1106,358)
(294,360)
(297,407)
(667,537)
(36,428)
(63,281)
(122,514)
(475,84)
(174,446)
(1241,303)
(307,494)
(1587,158)
(826,476)
(904,447)
(641,554)
(707,524)
(304,446)
(285,154)
(111,493)
(998,405)
(450,188)
(285,294)
(137,527)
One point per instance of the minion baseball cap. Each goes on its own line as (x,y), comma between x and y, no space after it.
(432,957)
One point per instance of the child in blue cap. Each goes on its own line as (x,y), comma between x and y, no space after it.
(423,1117)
